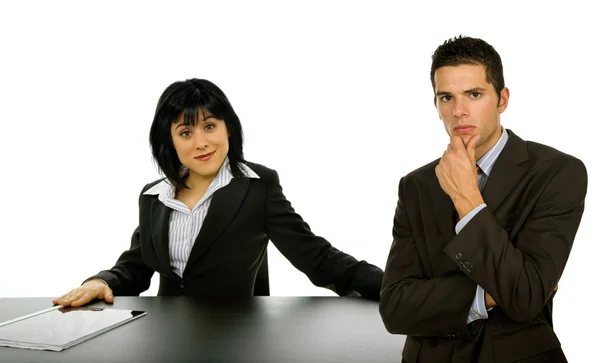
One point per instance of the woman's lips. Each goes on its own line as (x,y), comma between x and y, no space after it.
(205,157)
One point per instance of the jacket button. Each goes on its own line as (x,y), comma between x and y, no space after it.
(458,256)
(181,285)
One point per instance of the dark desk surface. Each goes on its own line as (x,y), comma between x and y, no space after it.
(264,329)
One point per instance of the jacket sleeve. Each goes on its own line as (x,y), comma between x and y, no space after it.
(520,274)
(324,265)
(129,276)
(413,304)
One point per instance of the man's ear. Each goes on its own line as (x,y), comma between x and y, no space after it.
(503,101)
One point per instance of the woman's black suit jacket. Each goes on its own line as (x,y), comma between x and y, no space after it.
(243,216)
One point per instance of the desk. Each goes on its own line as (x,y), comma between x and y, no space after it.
(261,330)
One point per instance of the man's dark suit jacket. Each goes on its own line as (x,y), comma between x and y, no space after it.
(243,216)
(515,249)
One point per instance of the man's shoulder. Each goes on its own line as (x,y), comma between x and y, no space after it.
(545,160)
(542,153)
(422,173)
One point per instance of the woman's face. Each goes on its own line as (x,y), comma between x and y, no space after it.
(201,148)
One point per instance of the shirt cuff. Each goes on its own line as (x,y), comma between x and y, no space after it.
(478,310)
(463,222)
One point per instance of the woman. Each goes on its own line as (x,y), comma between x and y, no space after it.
(205,227)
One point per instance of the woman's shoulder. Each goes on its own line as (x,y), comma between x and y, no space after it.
(155,185)
(262,171)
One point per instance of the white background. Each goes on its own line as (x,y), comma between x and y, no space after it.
(334,95)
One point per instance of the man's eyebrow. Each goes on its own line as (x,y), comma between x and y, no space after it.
(470,90)
(475,89)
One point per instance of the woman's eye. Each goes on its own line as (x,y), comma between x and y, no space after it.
(209,126)
(186,133)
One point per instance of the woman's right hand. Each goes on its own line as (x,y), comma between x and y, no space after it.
(90,290)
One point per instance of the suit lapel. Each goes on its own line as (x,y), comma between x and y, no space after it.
(160,232)
(224,205)
(508,169)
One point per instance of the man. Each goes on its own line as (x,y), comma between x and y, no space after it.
(481,235)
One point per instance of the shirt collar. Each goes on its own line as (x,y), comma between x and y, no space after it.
(487,160)
(165,189)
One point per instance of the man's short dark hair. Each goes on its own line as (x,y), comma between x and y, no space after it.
(466,50)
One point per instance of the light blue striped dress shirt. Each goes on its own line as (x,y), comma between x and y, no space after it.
(185,224)
(485,163)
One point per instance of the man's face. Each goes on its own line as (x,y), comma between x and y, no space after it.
(468,105)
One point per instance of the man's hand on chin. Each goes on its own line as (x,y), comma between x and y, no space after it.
(457,174)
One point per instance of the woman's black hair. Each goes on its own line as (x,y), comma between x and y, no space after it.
(192,97)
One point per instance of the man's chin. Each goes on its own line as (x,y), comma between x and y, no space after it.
(465,138)
(469,137)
